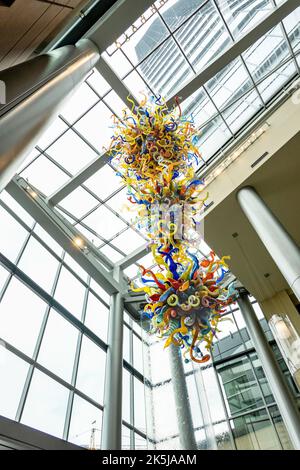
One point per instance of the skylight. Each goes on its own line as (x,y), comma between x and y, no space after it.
(163,50)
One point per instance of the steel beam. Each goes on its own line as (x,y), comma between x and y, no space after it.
(89,170)
(114,81)
(112,409)
(237,48)
(113,24)
(70,239)
(133,257)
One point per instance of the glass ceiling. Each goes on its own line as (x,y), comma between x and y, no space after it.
(164,49)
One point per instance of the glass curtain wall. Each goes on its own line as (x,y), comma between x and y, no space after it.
(47,301)
(231,403)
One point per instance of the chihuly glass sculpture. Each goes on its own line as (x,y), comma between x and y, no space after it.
(154,150)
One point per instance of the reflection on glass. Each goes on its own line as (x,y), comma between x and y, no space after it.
(240,17)
(166,69)
(204,37)
(267,53)
(223,438)
(145,39)
(255,432)
(176,12)
(240,387)
(280,428)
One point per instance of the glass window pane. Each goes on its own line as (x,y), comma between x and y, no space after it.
(255,432)
(104,182)
(98,135)
(98,83)
(21,316)
(126,396)
(48,240)
(86,421)
(52,132)
(125,438)
(240,18)
(79,203)
(128,241)
(120,204)
(71,152)
(91,371)
(145,39)
(46,405)
(16,208)
(75,267)
(39,264)
(100,291)
(13,373)
(97,317)
(204,37)
(70,292)
(166,69)
(292,27)
(83,98)
(45,175)
(13,235)
(3,276)
(275,82)
(58,334)
(267,53)
(281,428)
(138,362)
(104,222)
(118,62)
(139,406)
(240,389)
(111,253)
(176,12)
(222,436)
(126,344)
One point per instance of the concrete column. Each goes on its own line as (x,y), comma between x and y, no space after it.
(183,409)
(112,412)
(283,397)
(282,248)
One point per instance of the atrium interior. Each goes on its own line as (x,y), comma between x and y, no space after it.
(78,365)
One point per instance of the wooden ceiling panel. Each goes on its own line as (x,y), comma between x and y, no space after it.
(26,24)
